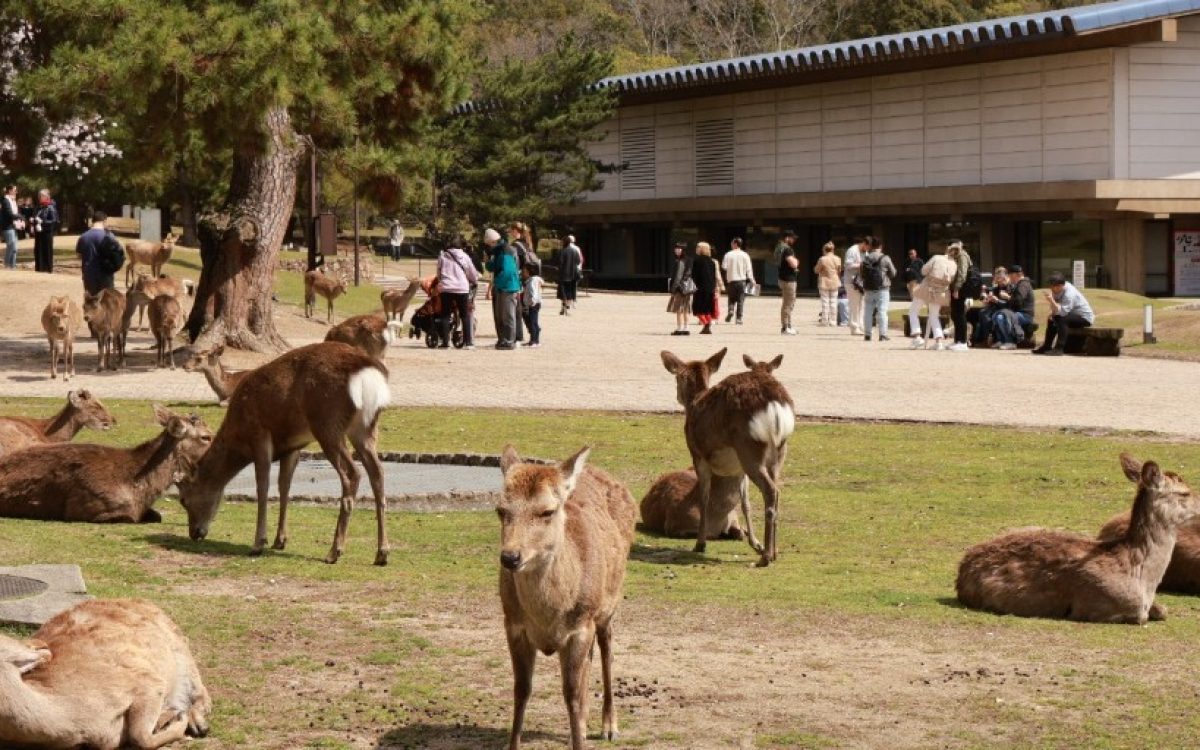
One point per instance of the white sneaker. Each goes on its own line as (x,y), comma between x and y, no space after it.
(1008,347)
(917,343)
(939,346)
(959,347)
(789,331)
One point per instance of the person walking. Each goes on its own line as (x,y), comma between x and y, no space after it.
(933,292)
(739,275)
(1068,309)
(829,278)
(681,288)
(10,221)
(912,270)
(854,290)
(45,226)
(704,275)
(506,284)
(785,256)
(457,278)
(570,270)
(877,273)
(531,303)
(958,298)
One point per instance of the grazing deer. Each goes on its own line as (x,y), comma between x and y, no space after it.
(1183,573)
(166,318)
(672,506)
(105,674)
(329,287)
(100,483)
(219,379)
(565,533)
(153,254)
(328,392)
(1045,573)
(738,427)
(60,319)
(395,301)
(371,333)
(106,315)
(147,288)
(82,410)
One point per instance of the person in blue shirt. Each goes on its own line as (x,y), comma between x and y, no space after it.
(87,248)
(506,285)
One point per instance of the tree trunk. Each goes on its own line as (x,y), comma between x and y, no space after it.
(239,249)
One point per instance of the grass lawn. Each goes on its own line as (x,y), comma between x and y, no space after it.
(856,622)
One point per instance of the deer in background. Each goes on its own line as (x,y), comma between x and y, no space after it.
(219,379)
(153,254)
(81,410)
(328,392)
(1183,573)
(1046,573)
(329,287)
(103,675)
(565,533)
(396,301)
(371,333)
(106,316)
(166,318)
(60,320)
(672,507)
(738,427)
(146,288)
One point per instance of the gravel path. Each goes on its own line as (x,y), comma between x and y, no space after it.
(606,356)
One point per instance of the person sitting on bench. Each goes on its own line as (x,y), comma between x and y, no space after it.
(1008,327)
(1068,309)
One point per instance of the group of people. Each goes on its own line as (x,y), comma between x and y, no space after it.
(19,216)
(698,282)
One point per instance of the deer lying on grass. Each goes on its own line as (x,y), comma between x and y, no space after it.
(329,287)
(82,410)
(1045,573)
(153,254)
(219,379)
(1183,573)
(738,427)
(395,301)
(106,315)
(98,483)
(146,288)
(371,333)
(672,506)
(328,392)
(60,320)
(166,318)
(565,533)
(102,675)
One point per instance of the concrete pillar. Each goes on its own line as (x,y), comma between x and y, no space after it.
(1125,253)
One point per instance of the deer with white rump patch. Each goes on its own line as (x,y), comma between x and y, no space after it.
(739,426)
(565,533)
(328,392)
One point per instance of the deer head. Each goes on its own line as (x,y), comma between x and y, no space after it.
(59,318)
(192,436)
(691,378)
(1171,499)
(94,414)
(763,367)
(204,359)
(532,519)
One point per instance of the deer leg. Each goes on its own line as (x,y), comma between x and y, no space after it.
(762,479)
(574,659)
(262,482)
(703,488)
(524,655)
(744,491)
(604,636)
(364,443)
(68,357)
(335,449)
(143,724)
(287,467)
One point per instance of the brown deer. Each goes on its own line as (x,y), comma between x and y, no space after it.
(60,320)
(82,410)
(153,254)
(371,333)
(1183,573)
(147,288)
(166,318)
(1045,573)
(102,675)
(329,287)
(565,533)
(672,506)
(396,301)
(105,315)
(219,379)
(738,427)
(328,392)
(100,483)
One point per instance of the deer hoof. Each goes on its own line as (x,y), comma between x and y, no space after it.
(256,550)
(279,543)
(699,548)
(381,557)
(1158,612)
(332,557)
(763,562)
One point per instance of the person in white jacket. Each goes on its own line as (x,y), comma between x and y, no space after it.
(739,275)
(934,292)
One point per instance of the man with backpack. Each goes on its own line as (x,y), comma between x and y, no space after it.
(876,273)
(100,254)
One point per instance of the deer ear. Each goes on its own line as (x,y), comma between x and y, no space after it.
(508,458)
(713,363)
(1132,467)
(673,364)
(163,414)
(75,398)
(775,363)
(1152,477)
(573,467)
(27,656)
(749,363)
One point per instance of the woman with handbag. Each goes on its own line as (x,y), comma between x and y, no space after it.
(682,288)
(704,274)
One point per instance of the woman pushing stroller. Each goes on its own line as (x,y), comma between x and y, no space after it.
(456,281)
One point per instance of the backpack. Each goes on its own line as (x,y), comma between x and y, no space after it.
(973,285)
(110,256)
(871,273)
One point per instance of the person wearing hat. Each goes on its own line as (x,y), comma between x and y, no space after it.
(1068,309)
(506,284)
(570,269)
(785,255)
(682,287)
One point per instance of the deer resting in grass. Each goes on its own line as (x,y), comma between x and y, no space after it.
(1045,573)
(371,333)
(738,427)
(105,674)
(396,301)
(61,318)
(219,379)
(565,533)
(1183,573)
(82,410)
(106,315)
(147,253)
(672,506)
(328,392)
(100,483)
(329,287)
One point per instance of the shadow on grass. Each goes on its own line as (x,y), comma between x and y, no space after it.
(951,601)
(180,543)
(669,556)
(455,737)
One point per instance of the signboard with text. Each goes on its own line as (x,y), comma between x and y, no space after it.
(1078,273)
(1187,262)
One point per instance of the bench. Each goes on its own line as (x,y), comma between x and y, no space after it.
(1094,342)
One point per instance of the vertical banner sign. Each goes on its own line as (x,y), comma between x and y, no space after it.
(1187,263)
(1078,273)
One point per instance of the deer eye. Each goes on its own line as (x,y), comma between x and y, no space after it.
(546,515)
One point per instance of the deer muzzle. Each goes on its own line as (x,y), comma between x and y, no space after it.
(510,560)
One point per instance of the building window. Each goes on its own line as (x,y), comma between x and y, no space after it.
(1064,242)
(637,159)
(714,153)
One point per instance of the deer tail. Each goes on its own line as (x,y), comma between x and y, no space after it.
(369,392)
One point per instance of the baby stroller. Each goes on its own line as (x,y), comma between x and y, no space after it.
(425,320)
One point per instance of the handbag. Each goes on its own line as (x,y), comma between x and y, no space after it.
(687,286)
